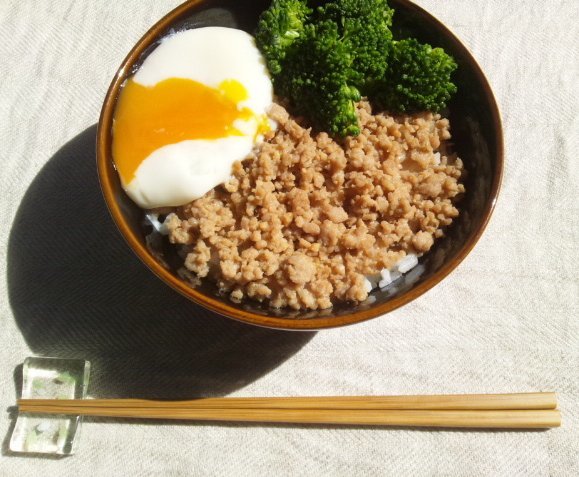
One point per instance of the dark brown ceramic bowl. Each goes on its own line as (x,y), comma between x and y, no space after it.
(477,134)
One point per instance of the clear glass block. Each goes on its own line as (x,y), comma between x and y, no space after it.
(50,378)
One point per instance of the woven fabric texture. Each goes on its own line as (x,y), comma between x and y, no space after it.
(507,320)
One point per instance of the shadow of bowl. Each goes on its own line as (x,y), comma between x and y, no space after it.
(77,291)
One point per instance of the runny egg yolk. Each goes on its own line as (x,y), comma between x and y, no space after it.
(174,110)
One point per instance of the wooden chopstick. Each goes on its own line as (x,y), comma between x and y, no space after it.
(527,401)
(522,411)
(511,419)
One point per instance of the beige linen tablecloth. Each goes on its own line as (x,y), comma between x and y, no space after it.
(507,320)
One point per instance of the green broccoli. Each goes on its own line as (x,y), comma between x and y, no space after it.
(278,28)
(365,27)
(418,78)
(324,55)
(317,78)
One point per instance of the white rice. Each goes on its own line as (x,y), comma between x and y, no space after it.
(159,226)
(407,263)
(368,285)
(388,276)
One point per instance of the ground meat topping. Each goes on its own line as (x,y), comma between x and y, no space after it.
(305,219)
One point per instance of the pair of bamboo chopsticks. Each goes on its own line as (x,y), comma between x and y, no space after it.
(513,411)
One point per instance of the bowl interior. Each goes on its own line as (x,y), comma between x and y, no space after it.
(477,135)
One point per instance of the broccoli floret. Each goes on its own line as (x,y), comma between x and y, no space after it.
(365,27)
(278,28)
(323,55)
(317,78)
(418,78)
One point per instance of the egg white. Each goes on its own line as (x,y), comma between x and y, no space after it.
(177,174)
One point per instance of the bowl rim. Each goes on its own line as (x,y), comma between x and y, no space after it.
(104,139)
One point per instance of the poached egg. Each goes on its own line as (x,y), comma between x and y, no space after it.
(196,105)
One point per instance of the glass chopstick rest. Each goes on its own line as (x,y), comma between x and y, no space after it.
(50,378)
